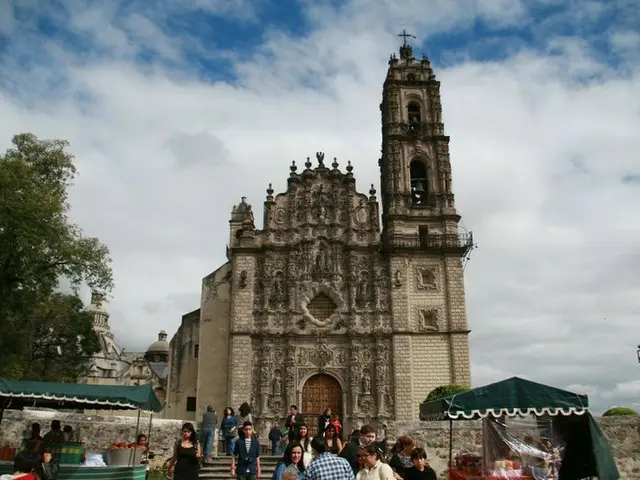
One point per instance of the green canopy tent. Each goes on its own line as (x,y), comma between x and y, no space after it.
(588,453)
(17,394)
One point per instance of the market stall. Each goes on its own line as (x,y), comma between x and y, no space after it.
(531,431)
(122,460)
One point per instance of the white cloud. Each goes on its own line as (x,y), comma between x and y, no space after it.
(538,158)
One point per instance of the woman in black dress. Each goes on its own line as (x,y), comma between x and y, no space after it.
(186,455)
(331,441)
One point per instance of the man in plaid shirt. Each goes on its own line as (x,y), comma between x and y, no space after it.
(327,466)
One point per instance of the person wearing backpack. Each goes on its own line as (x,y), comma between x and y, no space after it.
(275,434)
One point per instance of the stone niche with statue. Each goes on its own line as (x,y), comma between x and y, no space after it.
(321,300)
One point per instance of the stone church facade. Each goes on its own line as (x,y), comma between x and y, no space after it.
(326,307)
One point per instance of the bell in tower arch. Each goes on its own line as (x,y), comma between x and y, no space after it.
(419,192)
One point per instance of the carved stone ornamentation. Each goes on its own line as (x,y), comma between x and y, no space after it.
(321,356)
(363,292)
(366,383)
(280,216)
(276,404)
(321,205)
(302,356)
(276,383)
(322,262)
(399,279)
(322,305)
(426,278)
(365,403)
(361,214)
(428,320)
(365,356)
(279,293)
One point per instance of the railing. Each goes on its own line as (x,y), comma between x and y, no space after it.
(418,129)
(455,242)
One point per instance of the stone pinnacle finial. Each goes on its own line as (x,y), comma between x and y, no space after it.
(308,163)
(335,163)
(293,167)
(349,166)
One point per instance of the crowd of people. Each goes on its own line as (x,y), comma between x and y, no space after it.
(327,455)
(35,461)
(322,456)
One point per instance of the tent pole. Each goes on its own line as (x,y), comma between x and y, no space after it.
(149,433)
(450,442)
(136,437)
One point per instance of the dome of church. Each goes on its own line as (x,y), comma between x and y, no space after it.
(161,345)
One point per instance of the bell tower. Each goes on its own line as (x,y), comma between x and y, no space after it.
(420,235)
(415,167)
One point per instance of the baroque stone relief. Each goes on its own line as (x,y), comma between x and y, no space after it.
(427,277)
(321,355)
(429,318)
(322,305)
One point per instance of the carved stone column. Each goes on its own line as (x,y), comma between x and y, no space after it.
(382,376)
(290,375)
(266,368)
(354,376)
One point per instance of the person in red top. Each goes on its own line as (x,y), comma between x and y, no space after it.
(25,467)
(335,421)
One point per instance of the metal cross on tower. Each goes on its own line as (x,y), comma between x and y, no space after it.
(405,35)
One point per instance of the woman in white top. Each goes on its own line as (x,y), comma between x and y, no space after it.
(374,469)
(304,439)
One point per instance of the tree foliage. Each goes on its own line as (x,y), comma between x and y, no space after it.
(445,391)
(619,411)
(39,246)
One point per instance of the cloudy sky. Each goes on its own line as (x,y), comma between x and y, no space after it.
(174,112)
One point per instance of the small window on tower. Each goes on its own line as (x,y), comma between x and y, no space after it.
(413,110)
(191,404)
(196,350)
(414,118)
(411,77)
(419,185)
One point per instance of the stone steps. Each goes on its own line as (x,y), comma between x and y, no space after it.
(220,466)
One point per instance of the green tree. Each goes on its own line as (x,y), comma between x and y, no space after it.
(444,391)
(39,246)
(62,337)
(619,411)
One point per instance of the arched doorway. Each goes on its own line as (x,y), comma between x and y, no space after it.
(319,393)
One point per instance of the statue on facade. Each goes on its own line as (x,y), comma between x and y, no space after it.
(366,383)
(322,262)
(277,383)
(363,290)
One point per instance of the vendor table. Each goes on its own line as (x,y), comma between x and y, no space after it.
(78,472)
(457,475)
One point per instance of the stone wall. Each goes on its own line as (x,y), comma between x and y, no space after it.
(183,368)
(623,434)
(213,361)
